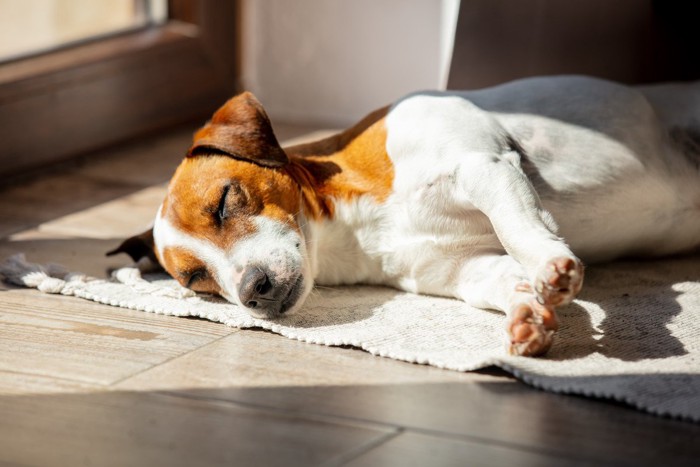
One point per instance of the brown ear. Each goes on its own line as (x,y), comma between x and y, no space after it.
(242,130)
(137,247)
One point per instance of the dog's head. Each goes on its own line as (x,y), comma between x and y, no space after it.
(231,221)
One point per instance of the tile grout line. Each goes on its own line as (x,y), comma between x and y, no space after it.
(327,418)
(446,435)
(126,378)
(353,453)
(367,422)
(92,384)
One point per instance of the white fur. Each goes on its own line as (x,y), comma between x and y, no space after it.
(348,249)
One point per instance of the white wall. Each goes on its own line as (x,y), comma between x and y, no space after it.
(330,62)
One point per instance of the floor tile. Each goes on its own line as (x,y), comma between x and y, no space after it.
(74,339)
(265,370)
(145,162)
(115,219)
(22,383)
(27,205)
(418,450)
(124,428)
(259,360)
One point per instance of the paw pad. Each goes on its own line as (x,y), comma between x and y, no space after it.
(531,329)
(560,281)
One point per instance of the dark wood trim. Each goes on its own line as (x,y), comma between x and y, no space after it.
(70,102)
(184,10)
(219,30)
(632,41)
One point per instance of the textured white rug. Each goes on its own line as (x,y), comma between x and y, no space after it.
(632,336)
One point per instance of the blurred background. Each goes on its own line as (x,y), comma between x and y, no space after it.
(80,75)
(33,26)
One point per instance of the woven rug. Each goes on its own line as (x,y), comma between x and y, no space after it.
(633,335)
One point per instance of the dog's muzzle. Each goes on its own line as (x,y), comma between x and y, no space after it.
(265,296)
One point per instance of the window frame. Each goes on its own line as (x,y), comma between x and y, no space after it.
(66,103)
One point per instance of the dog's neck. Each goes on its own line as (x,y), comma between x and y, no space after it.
(343,167)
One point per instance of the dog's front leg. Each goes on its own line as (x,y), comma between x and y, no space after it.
(496,281)
(496,185)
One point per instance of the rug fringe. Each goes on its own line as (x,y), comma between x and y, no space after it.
(50,278)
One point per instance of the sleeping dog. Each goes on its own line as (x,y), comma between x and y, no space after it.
(492,196)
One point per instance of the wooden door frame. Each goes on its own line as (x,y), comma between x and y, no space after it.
(58,105)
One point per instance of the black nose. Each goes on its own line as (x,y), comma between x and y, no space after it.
(257,291)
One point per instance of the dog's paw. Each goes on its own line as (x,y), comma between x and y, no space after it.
(559,281)
(531,327)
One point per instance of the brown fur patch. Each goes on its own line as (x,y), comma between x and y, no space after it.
(240,129)
(344,166)
(182,265)
(196,190)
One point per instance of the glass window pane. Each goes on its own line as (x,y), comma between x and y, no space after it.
(32,26)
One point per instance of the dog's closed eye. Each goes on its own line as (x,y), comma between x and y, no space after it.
(194,277)
(221,211)
(233,198)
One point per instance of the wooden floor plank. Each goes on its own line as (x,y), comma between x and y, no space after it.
(108,220)
(265,370)
(23,383)
(147,162)
(69,338)
(25,206)
(412,449)
(126,428)
(260,360)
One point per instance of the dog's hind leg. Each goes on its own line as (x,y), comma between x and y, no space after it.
(462,159)
(499,282)
(497,186)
